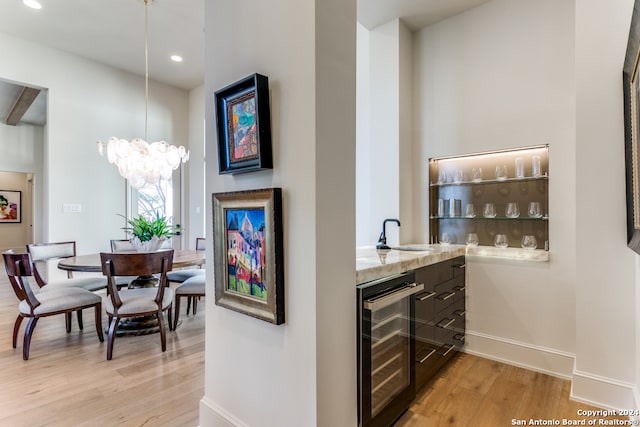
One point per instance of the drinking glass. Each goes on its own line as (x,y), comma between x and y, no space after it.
(489,210)
(476,174)
(512,210)
(501,172)
(472,239)
(440,208)
(470,211)
(529,242)
(535,166)
(457,175)
(519,167)
(442,176)
(446,238)
(501,241)
(535,211)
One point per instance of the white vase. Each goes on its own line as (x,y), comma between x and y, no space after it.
(149,246)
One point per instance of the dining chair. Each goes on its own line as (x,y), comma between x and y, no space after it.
(123,245)
(192,289)
(42,253)
(139,302)
(179,276)
(34,305)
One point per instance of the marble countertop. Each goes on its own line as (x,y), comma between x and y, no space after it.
(373,264)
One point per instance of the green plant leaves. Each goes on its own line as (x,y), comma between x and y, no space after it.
(144,228)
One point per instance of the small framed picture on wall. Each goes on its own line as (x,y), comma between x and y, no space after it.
(10,206)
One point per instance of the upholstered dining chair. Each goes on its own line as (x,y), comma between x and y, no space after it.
(179,276)
(34,305)
(42,253)
(192,289)
(123,245)
(140,302)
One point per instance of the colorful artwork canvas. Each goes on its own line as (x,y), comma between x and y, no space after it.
(243,125)
(10,206)
(246,251)
(243,137)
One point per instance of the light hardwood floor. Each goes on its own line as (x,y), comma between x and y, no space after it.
(478,392)
(67,381)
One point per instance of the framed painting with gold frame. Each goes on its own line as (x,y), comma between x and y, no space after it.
(248,253)
(631,90)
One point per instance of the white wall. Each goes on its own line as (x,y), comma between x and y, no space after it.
(384,137)
(195,197)
(499,76)
(606,276)
(89,102)
(301,373)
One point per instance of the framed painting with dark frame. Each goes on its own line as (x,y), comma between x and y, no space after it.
(248,253)
(243,123)
(631,91)
(10,206)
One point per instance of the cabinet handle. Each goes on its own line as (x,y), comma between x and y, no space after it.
(459,313)
(427,356)
(447,297)
(460,288)
(459,265)
(388,299)
(459,337)
(426,296)
(450,348)
(446,325)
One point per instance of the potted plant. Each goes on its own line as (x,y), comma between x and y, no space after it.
(149,233)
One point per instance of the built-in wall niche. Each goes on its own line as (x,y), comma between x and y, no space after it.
(496,203)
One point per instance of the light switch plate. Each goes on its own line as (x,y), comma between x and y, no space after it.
(71,207)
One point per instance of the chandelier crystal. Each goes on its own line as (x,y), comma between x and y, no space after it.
(139,162)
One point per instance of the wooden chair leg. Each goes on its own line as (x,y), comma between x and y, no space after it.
(67,318)
(16,329)
(111,336)
(170,316)
(80,324)
(195,305)
(163,335)
(188,304)
(31,325)
(177,315)
(98,312)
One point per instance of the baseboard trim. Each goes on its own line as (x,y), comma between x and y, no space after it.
(212,415)
(533,357)
(603,392)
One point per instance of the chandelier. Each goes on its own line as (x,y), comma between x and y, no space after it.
(140,162)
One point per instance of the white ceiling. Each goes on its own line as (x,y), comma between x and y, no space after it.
(112,32)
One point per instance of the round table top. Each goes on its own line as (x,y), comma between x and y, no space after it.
(91,262)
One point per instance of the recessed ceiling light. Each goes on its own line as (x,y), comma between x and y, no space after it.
(33,4)
(176,58)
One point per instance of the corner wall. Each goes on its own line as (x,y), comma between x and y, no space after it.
(301,373)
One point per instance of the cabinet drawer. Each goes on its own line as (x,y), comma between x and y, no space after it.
(425,307)
(445,294)
(425,334)
(459,266)
(433,274)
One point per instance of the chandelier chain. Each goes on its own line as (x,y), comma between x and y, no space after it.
(146,67)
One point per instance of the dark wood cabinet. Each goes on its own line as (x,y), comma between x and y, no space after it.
(440,316)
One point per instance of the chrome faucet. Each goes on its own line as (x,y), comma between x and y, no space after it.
(382,240)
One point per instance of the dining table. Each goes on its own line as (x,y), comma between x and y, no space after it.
(90,263)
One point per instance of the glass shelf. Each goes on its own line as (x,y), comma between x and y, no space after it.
(452,189)
(490,181)
(499,218)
